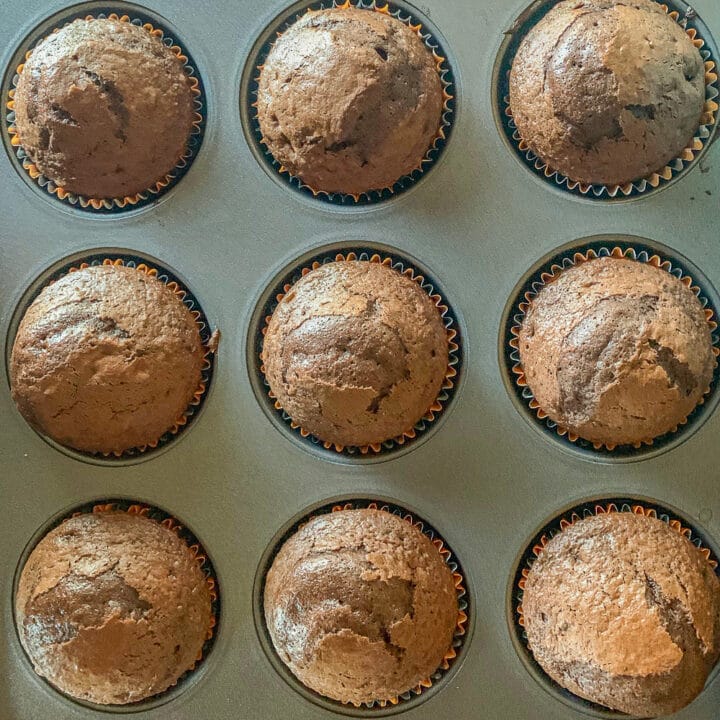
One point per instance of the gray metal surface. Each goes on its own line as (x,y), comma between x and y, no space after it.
(486,480)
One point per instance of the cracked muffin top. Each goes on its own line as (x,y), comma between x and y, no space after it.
(112,608)
(103,108)
(106,359)
(624,611)
(349,100)
(607,92)
(617,351)
(360,605)
(356,353)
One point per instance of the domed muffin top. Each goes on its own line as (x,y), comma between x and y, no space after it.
(622,610)
(106,359)
(349,100)
(112,607)
(356,353)
(103,108)
(607,92)
(617,351)
(360,605)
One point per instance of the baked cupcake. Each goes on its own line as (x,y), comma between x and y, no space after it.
(616,351)
(360,606)
(355,353)
(624,611)
(112,608)
(103,108)
(607,92)
(106,359)
(349,100)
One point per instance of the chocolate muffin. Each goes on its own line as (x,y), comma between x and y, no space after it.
(356,353)
(622,610)
(103,108)
(617,351)
(106,359)
(607,92)
(112,608)
(360,606)
(349,100)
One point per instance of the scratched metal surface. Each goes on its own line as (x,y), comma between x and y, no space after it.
(486,480)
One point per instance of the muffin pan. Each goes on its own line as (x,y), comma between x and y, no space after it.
(231,229)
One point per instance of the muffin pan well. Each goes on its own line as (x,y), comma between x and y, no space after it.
(201,555)
(485,475)
(641,250)
(463,632)
(688,18)
(372,252)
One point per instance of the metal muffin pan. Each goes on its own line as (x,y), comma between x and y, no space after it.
(486,479)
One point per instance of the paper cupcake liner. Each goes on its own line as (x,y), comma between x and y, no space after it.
(688,19)
(208,338)
(201,557)
(550,272)
(462,625)
(410,17)
(560,523)
(163,184)
(449,386)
